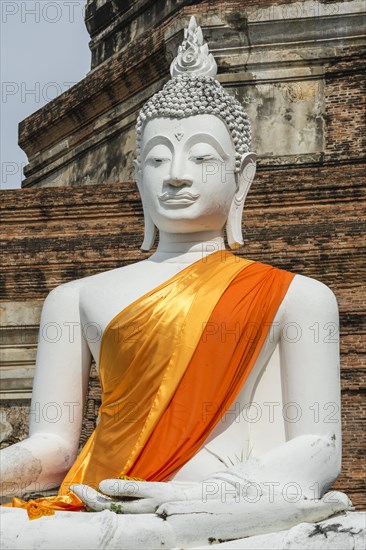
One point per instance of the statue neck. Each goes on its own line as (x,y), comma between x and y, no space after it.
(186,248)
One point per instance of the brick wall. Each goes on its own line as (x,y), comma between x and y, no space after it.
(345,110)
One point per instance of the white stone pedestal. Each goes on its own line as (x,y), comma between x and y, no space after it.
(345,531)
(107,530)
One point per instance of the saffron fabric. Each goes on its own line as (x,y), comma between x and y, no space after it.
(193,340)
(46,506)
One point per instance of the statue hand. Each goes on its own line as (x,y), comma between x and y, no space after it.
(128,497)
(143,497)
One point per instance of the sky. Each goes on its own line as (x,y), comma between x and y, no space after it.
(44,51)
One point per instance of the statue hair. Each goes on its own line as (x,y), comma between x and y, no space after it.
(188,95)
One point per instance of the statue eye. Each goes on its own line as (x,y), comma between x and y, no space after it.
(155,161)
(202,158)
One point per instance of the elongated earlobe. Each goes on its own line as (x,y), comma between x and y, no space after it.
(149,231)
(149,226)
(234,221)
(234,233)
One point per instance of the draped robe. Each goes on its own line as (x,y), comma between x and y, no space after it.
(180,350)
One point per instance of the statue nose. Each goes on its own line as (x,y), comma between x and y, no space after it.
(176,176)
(176,181)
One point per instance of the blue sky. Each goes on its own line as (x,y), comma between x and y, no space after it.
(44,50)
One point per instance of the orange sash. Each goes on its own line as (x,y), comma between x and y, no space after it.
(166,355)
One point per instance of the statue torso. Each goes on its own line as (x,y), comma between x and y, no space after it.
(104,295)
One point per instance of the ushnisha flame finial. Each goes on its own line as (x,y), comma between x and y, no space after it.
(193,55)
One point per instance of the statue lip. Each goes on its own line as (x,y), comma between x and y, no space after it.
(183,198)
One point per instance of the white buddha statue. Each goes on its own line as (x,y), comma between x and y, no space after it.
(188,337)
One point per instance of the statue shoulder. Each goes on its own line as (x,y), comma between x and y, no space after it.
(77,286)
(310,296)
(306,292)
(62,302)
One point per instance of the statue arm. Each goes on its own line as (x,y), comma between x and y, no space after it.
(310,374)
(310,459)
(60,384)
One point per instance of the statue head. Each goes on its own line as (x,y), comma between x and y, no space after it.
(194,166)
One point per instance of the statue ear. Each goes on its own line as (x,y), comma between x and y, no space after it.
(149,230)
(149,226)
(244,179)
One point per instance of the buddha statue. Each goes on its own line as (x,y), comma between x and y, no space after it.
(182,341)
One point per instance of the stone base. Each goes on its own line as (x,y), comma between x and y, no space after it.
(107,530)
(345,531)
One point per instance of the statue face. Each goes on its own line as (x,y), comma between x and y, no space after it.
(188,180)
